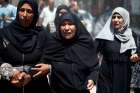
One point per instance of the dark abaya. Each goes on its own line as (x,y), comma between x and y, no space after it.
(21,46)
(73,61)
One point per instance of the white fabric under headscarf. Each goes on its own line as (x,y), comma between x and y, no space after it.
(126,37)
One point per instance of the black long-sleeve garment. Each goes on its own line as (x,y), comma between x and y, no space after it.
(73,61)
(115,70)
(10,53)
(21,46)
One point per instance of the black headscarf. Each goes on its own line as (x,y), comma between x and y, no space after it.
(24,39)
(34,6)
(80,50)
(59,8)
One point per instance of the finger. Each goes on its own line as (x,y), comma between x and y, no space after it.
(21,76)
(89,86)
(14,81)
(37,74)
(135,59)
(38,65)
(27,78)
(16,73)
(17,83)
(36,69)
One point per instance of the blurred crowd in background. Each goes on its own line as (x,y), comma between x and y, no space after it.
(93,13)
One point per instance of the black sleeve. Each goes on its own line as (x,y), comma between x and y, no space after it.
(94,73)
(46,42)
(1,47)
(137,40)
(95,70)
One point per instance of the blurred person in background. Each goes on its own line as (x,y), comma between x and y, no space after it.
(85,16)
(41,5)
(61,2)
(61,10)
(135,77)
(7,13)
(48,14)
(102,14)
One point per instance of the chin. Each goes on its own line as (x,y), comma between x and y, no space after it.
(68,38)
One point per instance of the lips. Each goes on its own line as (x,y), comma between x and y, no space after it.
(67,34)
(115,23)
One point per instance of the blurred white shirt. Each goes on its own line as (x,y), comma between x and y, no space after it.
(47,15)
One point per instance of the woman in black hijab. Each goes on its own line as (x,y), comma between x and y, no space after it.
(71,53)
(61,10)
(21,46)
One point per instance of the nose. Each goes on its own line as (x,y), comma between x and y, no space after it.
(25,13)
(66,27)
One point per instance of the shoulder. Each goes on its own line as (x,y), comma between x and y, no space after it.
(43,33)
(1,34)
(45,8)
(11,6)
(135,34)
(1,31)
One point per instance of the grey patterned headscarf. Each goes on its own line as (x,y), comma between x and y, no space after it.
(126,38)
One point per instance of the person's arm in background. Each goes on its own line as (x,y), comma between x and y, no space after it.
(135,56)
(41,18)
(13,11)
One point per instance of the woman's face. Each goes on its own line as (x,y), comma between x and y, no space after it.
(68,29)
(117,21)
(25,15)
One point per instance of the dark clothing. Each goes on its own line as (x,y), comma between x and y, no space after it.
(115,70)
(135,78)
(21,46)
(73,61)
(16,56)
(34,6)
(52,26)
(58,12)
(137,90)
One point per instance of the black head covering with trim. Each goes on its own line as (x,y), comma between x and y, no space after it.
(24,39)
(34,6)
(79,55)
(59,8)
(80,50)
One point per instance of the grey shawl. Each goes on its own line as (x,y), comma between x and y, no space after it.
(126,38)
